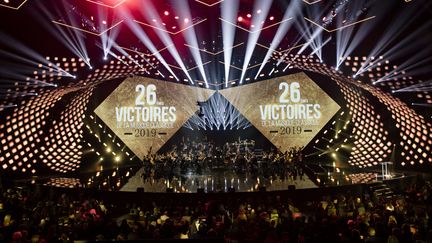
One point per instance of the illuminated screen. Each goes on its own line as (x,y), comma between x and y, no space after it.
(289,110)
(144,113)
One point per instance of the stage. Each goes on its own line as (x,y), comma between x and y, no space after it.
(216,180)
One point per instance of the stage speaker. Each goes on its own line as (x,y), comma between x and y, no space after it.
(291,187)
(200,190)
(169,190)
(262,189)
(140,189)
(231,190)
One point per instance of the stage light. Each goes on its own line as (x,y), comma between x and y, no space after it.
(240,19)
(176,17)
(117,158)
(154,20)
(166,13)
(271,18)
(249,15)
(105,58)
(186,20)
(259,11)
(108,149)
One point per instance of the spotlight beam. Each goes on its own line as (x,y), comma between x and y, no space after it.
(347,40)
(283,28)
(139,32)
(191,39)
(397,27)
(72,39)
(150,13)
(107,37)
(2,107)
(264,6)
(228,11)
(34,59)
(420,87)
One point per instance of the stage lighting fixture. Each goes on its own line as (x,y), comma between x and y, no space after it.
(271,18)
(166,13)
(240,19)
(186,20)
(249,15)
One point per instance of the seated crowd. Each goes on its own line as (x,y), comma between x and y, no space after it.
(41,215)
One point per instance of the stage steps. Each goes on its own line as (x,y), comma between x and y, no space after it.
(382,190)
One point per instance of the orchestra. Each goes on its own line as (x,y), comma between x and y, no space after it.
(240,156)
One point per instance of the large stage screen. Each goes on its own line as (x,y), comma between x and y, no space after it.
(288,110)
(144,113)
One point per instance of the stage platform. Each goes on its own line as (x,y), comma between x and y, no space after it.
(220,180)
(215,180)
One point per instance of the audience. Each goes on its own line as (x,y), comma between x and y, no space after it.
(40,215)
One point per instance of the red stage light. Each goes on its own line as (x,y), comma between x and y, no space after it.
(154,20)
(249,15)
(173,27)
(240,19)
(271,18)
(166,13)
(176,17)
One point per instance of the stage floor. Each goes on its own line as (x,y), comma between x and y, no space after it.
(216,180)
